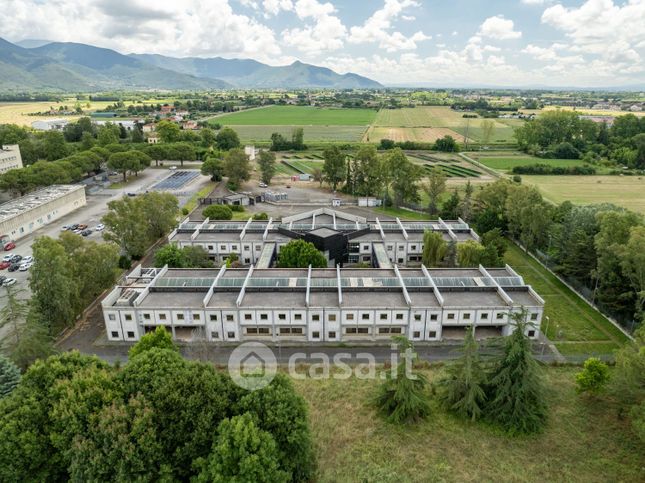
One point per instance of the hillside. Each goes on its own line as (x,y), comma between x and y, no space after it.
(251,73)
(79,67)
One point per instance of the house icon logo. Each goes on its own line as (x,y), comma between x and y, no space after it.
(252,365)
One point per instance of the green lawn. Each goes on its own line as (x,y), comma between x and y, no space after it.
(331,133)
(509,162)
(584,440)
(299,115)
(401,213)
(571,319)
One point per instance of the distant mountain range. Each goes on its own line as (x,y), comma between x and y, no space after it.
(73,67)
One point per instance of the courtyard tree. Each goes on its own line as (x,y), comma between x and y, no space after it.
(469,253)
(170,255)
(213,167)
(127,226)
(300,254)
(217,212)
(434,249)
(160,338)
(160,212)
(267,166)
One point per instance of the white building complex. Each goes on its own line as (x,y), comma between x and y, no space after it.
(10,158)
(327,305)
(24,215)
(342,237)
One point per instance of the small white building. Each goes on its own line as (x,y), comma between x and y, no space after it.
(50,124)
(24,215)
(10,158)
(250,151)
(153,139)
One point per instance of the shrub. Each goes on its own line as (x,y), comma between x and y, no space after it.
(593,377)
(261,216)
(217,212)
(237,208)
(124,262)
(185,211)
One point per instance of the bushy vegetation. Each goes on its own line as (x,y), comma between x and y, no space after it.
(300,254)
(542,169)
(218,212)
(158,418)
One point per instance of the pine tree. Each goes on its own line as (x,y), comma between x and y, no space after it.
(402,397)
(9,376)
(516,391)
(462,389)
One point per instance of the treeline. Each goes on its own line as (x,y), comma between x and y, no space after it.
(157,418)
(297,143)
(549,169)
(562,134)
(445,144)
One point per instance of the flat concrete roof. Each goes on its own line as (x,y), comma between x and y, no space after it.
(35,199)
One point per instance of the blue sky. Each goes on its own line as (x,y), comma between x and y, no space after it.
(583,43)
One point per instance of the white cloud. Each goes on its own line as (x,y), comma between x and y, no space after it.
(326,33)
(378,28)
(273,7)
(534,2)
(190,27)
(499,28)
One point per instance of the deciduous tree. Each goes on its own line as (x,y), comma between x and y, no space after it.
(267,166)
(435,187)
(300,254)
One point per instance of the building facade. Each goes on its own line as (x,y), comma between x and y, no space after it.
(342,237)
(319,305)
(10,158)
(24,215)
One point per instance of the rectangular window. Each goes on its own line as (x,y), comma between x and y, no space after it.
(180,316)
(500,316)
(210,247)
(146,316)
(247,260)
(251,330)
(213,317)
(263,331)
(384,330)
(297,330)
(534,316)
(230,335)
(531,333)
(395,330)
(332,334)
(282,316)
(229,318)
(128,317)
(297,316)
(416,334)
(484,316)
(432,334)
(417,317)
(363,330)
(315,317)
(413,247)
(131,334)
(246,248)
(196,317)
(382,316)
(234,248)
(365,316)
(214,335)
(399,316)
(264,316)
(451,316)
(248,317)
(111,317)
(331,317)
(433,316)
(222,248)
(350,330)
(466,316)
(389,248)
(162,316)
(315,335)
(115,334)
(349,317)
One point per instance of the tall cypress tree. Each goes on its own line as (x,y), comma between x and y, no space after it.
(462,389)
(516,391)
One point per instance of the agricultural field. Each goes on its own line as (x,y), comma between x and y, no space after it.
(592,112)
(298,116)
(425,123)
(625,191)
(262,133)
(584,441)
(452,166)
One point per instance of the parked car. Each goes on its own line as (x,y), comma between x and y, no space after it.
(28,259)
(86,232)
(4,264)
(99,227)
(2,279)
(14,267)
(9,246)
(132,194)
(8,282)
(16,258)
(82,226)
(172,168)
(64,228)
(7,258)
(73,227)
(77,231)
(263,185)
(24,267)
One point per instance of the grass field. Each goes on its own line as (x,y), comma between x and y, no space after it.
(591,112)
(625,191)
(584,440)
(508,163)
(299,115)
(416,134)
(573,325)
(407,123)
(262,133)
